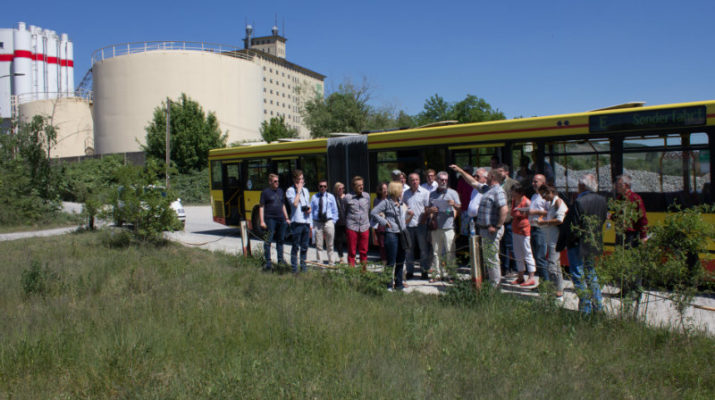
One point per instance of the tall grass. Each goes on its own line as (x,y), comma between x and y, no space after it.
(173,322)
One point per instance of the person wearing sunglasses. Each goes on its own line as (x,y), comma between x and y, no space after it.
(274,219)
(324,211)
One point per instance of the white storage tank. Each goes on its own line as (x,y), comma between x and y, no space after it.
(6,57)
(22,60)
(53,71)
(73,118)
(129,83)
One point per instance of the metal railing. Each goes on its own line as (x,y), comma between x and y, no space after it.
(143,47)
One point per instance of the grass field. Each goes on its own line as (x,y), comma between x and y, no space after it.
(79,319)
(59,220)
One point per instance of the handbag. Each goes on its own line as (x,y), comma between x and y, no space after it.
(405,237)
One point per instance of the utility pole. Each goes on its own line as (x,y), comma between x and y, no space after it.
(168,139)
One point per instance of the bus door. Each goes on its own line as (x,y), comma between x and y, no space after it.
(348,157)
(284,167)
(232,192)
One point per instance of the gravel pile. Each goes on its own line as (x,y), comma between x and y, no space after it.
(642,181)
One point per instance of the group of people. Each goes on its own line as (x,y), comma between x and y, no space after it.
(408,216)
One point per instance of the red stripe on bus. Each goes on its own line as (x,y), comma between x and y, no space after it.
(23,54)
(478,134)
(6,57)
(272,151)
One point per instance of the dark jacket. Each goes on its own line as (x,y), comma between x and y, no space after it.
(591,204)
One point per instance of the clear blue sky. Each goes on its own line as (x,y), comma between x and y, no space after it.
(524,57)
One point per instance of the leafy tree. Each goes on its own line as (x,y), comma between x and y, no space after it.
(471,109)
(28,182)
(276,129)
(474,109)
(193,134)
(345,110)
(435,109)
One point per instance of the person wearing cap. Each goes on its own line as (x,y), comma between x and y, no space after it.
(324,211)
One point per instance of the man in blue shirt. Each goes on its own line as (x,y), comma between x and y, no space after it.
(324,210)
(300,221)
(274,219)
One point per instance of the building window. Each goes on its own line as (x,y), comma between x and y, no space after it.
(271,80)
(264,101)
(271,112)
(264,68)
(271,101)
(271,69)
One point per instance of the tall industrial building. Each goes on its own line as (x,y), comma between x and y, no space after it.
(37,77)
(242,86)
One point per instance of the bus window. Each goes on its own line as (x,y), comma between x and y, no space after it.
(434,158)
(570,160)
(655,163)
(233,175)
(700,167)
(216,176)
(313,170)
(257,177)
(284,169)
(407,161)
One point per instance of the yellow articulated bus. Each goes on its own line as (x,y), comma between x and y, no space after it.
(666,149)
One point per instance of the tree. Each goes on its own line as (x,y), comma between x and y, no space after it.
(474,109)
(28,181)
(435,109)
(193,134)
(471,109)
(345,110)
(276,129)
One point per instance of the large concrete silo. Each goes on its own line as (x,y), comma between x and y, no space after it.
(129,82)
(72,116)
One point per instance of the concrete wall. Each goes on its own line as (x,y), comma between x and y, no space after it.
(128,88)
(73,118)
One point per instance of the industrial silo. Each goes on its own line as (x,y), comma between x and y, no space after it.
(72,116)
(131,80)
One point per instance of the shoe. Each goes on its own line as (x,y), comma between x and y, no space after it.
(560,299)
(530,282)
(517,281)
(390,289)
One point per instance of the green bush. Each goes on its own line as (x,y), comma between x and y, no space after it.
(192,187)
(89,177)
(138,202)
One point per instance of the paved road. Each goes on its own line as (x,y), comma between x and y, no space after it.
(202,232)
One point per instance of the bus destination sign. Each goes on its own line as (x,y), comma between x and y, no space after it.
(652,119)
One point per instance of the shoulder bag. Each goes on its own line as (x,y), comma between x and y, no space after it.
(405,237)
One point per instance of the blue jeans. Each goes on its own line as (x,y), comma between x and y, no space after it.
(419,239)
(275,227)
(588,289)
(301,240)
(508,263)
(395,256)
(538,247)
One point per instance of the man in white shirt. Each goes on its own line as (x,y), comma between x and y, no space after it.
(324,211)
(480,175)
(431,178)
(416,198)
(300,220)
